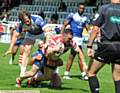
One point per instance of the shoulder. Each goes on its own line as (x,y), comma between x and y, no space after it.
(70,14)
(104,7)
(36,17)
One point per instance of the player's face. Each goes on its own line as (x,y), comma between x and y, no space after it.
(27,21)
(41,44)
(81,9)
(67,38)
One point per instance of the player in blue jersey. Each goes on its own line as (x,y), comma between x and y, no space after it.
(77,22)
(34,26)
(37,61)
(18,44)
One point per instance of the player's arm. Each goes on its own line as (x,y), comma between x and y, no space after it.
(67,21)
(92,37)
(13,41)
(37,57)
(97,23)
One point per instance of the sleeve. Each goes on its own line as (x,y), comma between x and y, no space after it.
(40,22)
(99,18)
(87,22)
(70,17)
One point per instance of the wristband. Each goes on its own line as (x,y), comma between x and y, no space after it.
(89,46)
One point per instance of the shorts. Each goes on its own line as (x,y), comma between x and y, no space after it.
(19,42)
(108,52)
(38,64)
(78,40)
(32,38)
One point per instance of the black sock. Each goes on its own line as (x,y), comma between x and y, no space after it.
(94,84)
(117,86)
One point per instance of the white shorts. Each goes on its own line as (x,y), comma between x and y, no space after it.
(78,40)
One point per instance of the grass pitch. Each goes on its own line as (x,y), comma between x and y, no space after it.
(8,74)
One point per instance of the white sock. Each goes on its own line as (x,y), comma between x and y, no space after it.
(66,73)
(22,73)
(11,61)
(83,73)
(57,70)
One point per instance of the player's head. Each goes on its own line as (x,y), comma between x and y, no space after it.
(24,16)
(80,8)
(41,44)
(67,36)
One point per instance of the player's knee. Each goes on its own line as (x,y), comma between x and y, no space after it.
(55,81)
(90,73)
(32,73)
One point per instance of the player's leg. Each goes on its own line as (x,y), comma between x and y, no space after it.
(14,51)
(93,68)
(116,76)
(69,64)
(28,74)
(21,48)
(82,64)
(55,81)
(47,74)
(27,47)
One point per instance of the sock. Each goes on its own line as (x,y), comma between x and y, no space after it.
(66,73)
(57,70)
(117,86)
(20,59)
(11,61)
(83,73)
(22,73)
(94,84)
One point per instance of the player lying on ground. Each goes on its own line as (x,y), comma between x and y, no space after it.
(42,69)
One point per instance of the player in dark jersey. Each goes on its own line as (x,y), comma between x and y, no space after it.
(108,52)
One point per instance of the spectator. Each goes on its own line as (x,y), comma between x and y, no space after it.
(54,18)
(62,6)
(5,4)
(42,14)
(4,16)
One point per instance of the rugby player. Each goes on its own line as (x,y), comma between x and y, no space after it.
(77,22)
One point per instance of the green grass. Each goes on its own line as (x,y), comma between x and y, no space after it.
(8,74)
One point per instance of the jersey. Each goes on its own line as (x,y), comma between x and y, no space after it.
(40,63)
(108,19)
(57,42)
(77,23)
(38,20)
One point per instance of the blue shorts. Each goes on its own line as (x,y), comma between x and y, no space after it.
(38,64)
(19,42)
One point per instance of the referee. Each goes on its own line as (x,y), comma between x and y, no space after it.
(108,52)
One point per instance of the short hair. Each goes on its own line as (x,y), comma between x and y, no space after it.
(22,14)
(55,16)
(80,4)
(68,31)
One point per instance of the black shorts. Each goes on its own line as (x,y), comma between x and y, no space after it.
(108,52)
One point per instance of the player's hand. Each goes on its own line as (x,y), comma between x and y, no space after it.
(38,57)
(7,52)
(90,52)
